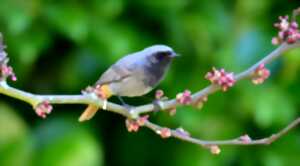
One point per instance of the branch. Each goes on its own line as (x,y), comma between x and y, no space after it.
(242,140)
(289,38)
(35,99)
(214,88)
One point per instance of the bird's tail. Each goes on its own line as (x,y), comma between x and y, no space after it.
(88,113)
(91,110)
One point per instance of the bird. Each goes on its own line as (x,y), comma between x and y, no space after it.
(133,75)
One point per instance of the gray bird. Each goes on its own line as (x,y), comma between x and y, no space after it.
(133,75)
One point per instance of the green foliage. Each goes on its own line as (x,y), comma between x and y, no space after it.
(61,47)
(55,142)
(15,144)
(65,143)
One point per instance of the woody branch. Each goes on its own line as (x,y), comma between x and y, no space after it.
(287,39)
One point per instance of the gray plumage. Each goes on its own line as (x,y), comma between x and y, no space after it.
(138,73)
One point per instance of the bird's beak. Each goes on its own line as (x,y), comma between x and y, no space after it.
(174,54)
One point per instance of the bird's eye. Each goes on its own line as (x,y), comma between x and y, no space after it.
(162,55)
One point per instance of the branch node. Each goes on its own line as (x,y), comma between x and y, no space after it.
(43,108)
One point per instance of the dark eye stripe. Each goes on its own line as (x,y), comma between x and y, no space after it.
(162,55)
(166,53)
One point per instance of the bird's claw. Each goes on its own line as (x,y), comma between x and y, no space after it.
(157,105)
(129,108)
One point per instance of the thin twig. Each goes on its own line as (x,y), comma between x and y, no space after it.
(213,88)
(35,99)
(236,141)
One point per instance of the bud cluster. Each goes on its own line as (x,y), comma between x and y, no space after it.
(288,31)
(221,78)
(5,70)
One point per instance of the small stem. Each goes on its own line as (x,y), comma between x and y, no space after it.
(34,99)
(284,47)
(18,94)
(235,141)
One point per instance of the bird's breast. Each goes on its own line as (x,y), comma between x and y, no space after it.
(154,74)
(131,86)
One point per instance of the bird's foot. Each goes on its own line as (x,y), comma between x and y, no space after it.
(128,107)
(157,105)
(131,111)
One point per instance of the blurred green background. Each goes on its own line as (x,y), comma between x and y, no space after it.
(60,47)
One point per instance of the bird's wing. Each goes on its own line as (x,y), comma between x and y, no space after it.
(114,74)
(121,69)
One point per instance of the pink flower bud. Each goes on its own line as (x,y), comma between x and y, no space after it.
(294,25)
(245,138)
(159,94)
(260,74)
(43,109)
(7,71)
(214,149)
(276,41)
(288,31)
(142,120)
(221,78)
(184,98)
(164,132)
(132,125)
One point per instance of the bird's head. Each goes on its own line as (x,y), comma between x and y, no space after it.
(160,53)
